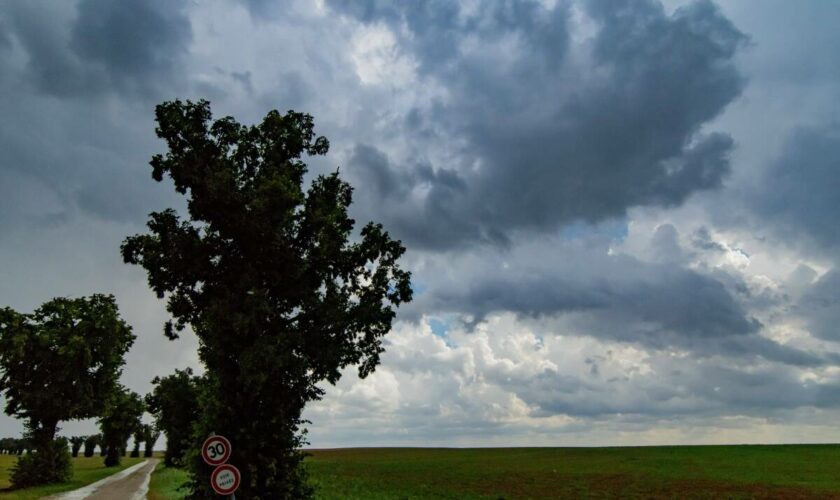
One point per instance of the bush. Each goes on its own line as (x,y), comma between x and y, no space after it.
(51,465)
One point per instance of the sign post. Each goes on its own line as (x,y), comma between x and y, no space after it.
(225,477)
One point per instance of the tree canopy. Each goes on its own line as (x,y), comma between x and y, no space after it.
(56,362)
(119,422)
(174,404)
(270,276)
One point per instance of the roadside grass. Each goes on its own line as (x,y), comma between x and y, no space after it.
(85,471)
(738,472)
(165,483)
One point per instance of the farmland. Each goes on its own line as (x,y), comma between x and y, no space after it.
(783,471)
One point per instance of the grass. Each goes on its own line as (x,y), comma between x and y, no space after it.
(790,471)
(85,471)
(166,482)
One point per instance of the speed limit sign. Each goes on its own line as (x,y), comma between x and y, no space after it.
(215,450)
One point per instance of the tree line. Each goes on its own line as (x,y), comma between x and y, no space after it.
(281,290)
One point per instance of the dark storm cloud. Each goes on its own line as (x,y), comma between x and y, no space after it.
(103,46)
(137,43)
(549,138)
(687,387)
(798,197)
(92,156)
(582,290)
(820,306)
(618,296)
(5,38)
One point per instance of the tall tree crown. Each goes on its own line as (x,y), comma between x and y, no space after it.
(257,242)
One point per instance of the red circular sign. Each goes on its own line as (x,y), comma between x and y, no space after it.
(215,450)
(225,479)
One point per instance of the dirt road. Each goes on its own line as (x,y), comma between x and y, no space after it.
(129,484)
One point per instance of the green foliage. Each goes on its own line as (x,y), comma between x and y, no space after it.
(50,463)
(174,403)
(119,422)
(72,351)
(265,275)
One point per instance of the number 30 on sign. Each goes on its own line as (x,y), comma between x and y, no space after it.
(215,450)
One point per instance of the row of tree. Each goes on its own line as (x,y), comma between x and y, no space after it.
(14,446)
(145,434)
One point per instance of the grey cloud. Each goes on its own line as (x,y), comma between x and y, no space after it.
(618,297)
(697,389)
(702,240)
(820,306)
(51,66)
(797,196)
(137,43)
(551,146)
(582,289)
(5,38)
(102,46)
(666,246)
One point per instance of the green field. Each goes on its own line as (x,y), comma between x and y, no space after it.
(790,471)
(85,471)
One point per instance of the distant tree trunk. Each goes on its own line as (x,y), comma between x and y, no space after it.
(90,446)
(76,443)
(113,456)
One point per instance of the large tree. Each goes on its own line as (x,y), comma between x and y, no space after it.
(119,422)
(56,363)
(174,404)
(265,273)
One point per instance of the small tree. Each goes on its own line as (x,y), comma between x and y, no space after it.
(265,274)
(174,404)
(72,351)
(76,443)
(138,438)
(120,420)
(51,456)
(150,437)
(90,445)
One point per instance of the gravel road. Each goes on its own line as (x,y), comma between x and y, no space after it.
(129,484)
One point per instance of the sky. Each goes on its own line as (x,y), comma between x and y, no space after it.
(621,216)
